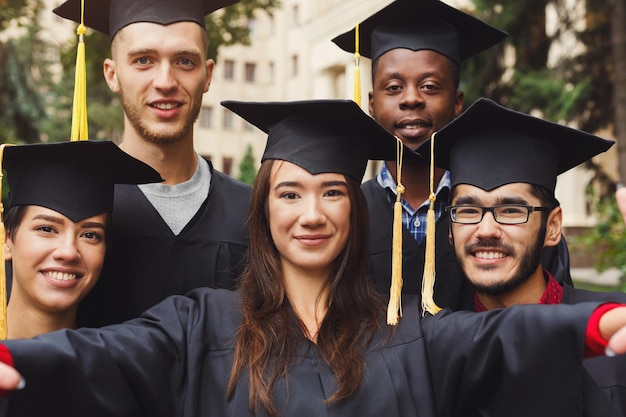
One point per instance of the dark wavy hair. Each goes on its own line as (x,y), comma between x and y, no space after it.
(271,331)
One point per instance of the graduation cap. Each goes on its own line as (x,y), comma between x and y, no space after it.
(75,179)
(320,135)
(490,145)
(109,16)
(417,25)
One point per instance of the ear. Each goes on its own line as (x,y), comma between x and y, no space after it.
(458,103)
(110,75)
(370,98)
(554,227)
(8,249)
(210,64)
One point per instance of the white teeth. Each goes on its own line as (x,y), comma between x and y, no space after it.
(61,276)
(165,106)
(489,255)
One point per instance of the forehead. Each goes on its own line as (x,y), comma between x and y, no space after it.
(409,62)
(516,190)
(284,171)
(32,211)
(179,35)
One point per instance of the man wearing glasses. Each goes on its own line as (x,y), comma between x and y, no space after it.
(503,166)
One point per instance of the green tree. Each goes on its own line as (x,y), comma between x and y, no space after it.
(22,72)
(247,167)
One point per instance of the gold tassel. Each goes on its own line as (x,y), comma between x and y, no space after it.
(428,280)
(394,308)
(4,328)
(357,69)
(79,109)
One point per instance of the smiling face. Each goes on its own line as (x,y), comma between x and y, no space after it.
(309,218)
(499,259)
(414,94)
(56,262)
(161,73)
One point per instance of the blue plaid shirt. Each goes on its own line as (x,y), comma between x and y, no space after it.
(415,220)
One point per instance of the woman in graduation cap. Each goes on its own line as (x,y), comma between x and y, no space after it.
(306,334)
(57,224)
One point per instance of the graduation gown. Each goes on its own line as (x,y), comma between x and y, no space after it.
(176,360)
(452,289)
(146,262)
(608,373)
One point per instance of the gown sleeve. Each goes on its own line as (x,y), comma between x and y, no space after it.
(520,361)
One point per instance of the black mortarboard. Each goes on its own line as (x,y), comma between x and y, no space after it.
(75,179)
(320,135)
(421,24)
(490,145)
(109,16)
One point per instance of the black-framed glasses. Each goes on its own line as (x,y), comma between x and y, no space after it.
(503,214)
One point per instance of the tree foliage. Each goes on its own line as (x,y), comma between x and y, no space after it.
(248,167)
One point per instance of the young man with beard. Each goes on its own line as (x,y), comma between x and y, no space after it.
(189,231)
(416,48)
(503,166)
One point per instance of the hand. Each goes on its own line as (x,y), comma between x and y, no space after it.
(620,196)
(10,379)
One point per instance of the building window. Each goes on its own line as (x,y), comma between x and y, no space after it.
(250,72)
(227,165)
(252,27)
(206,117)
(296,15)
(228,121)
(294,65)
(271,73)
(229,69)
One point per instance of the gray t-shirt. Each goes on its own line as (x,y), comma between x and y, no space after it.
(178,203)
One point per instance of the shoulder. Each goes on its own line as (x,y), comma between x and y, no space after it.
(573,295)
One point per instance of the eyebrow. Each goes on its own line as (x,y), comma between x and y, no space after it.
(154,51)
(298,184)
(60,220)
(500,201)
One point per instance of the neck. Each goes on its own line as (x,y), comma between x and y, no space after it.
(529,292)
(416,181)
(176,161)
(308,297)
(27,321)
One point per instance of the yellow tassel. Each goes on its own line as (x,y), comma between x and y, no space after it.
(357,69)
(428,280)
(79,109)
(394,308)
(4,329)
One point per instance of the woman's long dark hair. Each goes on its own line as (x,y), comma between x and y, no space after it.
(271,332)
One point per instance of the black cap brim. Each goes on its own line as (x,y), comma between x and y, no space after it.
(490,145)
(109,16)
(419,25)
(75,179)
(320,135)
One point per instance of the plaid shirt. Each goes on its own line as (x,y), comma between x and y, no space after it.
(415,220)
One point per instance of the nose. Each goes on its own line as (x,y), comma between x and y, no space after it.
(488,227)
(164,78)
(66,249)
(313,214)
(411,98)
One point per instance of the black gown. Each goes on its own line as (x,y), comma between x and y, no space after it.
(608,373)
(146,262)
(176,360)
(452,289)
